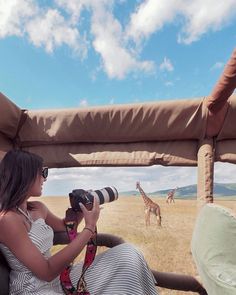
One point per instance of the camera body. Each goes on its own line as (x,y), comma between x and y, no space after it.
(104,195)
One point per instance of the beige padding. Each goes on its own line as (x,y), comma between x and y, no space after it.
(226,151)
(228,130)
(214,247)
(160,121)
(10,116)
(6,145)
(177,153)
(205,171)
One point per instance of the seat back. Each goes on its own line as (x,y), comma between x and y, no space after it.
(4,277)
(59,238)
(214,249)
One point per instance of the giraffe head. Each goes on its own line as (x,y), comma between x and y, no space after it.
(137,184)
(174,189)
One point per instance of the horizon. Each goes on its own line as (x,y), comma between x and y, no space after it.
(58,54)
(162,191)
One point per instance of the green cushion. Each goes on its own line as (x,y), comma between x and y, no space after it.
(214,249)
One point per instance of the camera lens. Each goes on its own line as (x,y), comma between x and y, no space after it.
(105,195)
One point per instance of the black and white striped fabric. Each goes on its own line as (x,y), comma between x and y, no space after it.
(121,270)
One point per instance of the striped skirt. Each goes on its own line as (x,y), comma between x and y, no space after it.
(121,270)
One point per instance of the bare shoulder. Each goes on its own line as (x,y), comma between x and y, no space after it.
(8,217)
(10,222)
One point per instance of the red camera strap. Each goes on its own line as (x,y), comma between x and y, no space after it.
(67,286)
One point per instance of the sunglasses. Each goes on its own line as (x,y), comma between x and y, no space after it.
(45,172)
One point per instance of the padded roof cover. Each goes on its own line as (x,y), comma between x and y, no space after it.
(165,133)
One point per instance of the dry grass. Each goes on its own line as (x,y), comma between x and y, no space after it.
(166,248)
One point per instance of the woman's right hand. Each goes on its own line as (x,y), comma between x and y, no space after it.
(91,216)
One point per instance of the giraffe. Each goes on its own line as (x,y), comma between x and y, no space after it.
(150,206)
(170,195)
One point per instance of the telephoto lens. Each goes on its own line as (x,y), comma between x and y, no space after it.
(104,195)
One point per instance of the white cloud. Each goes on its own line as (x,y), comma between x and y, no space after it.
(153,178)
(169,84)
(118,44)
(217,65)
(83,103)
(62,181)
(166,65)
(109,42)
(73,7)
(14,15)
(44,27)
(117,60)
(199,16)
(225,172)
(51,30)
(150,17)
(112,101)
(204,15)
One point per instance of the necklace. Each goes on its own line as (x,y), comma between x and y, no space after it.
(26,214)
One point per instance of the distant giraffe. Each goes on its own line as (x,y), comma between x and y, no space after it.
(150,206)
(170,195)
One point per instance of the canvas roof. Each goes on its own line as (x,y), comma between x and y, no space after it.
(166,133)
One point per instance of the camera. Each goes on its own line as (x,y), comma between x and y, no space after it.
(104,195)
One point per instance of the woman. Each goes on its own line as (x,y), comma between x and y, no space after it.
(26,237)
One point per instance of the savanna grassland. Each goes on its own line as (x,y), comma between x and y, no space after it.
(166,248)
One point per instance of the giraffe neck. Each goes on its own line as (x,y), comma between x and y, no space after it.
(147,201)
(171,193)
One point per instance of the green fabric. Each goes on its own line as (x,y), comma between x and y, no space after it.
(214,249)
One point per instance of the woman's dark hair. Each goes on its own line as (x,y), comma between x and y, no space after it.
(18,171)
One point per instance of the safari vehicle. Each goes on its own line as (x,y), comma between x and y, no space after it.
(196,132)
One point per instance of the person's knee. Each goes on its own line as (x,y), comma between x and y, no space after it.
(130,253)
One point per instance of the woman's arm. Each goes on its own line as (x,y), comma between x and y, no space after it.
(15,236)
(56,223)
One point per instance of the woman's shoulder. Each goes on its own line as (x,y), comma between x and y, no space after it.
(8,221)
(8,216)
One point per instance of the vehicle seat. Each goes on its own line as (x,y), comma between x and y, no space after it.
(214,249)
(60,238)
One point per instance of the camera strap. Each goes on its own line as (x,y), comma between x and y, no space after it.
(67,286)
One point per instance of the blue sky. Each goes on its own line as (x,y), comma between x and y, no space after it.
(78,53)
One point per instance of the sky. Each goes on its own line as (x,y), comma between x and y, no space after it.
(81,53)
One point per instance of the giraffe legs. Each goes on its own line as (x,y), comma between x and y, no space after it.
(170,200)
(147,217)
(158,220)
(158,216)
(148,212)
